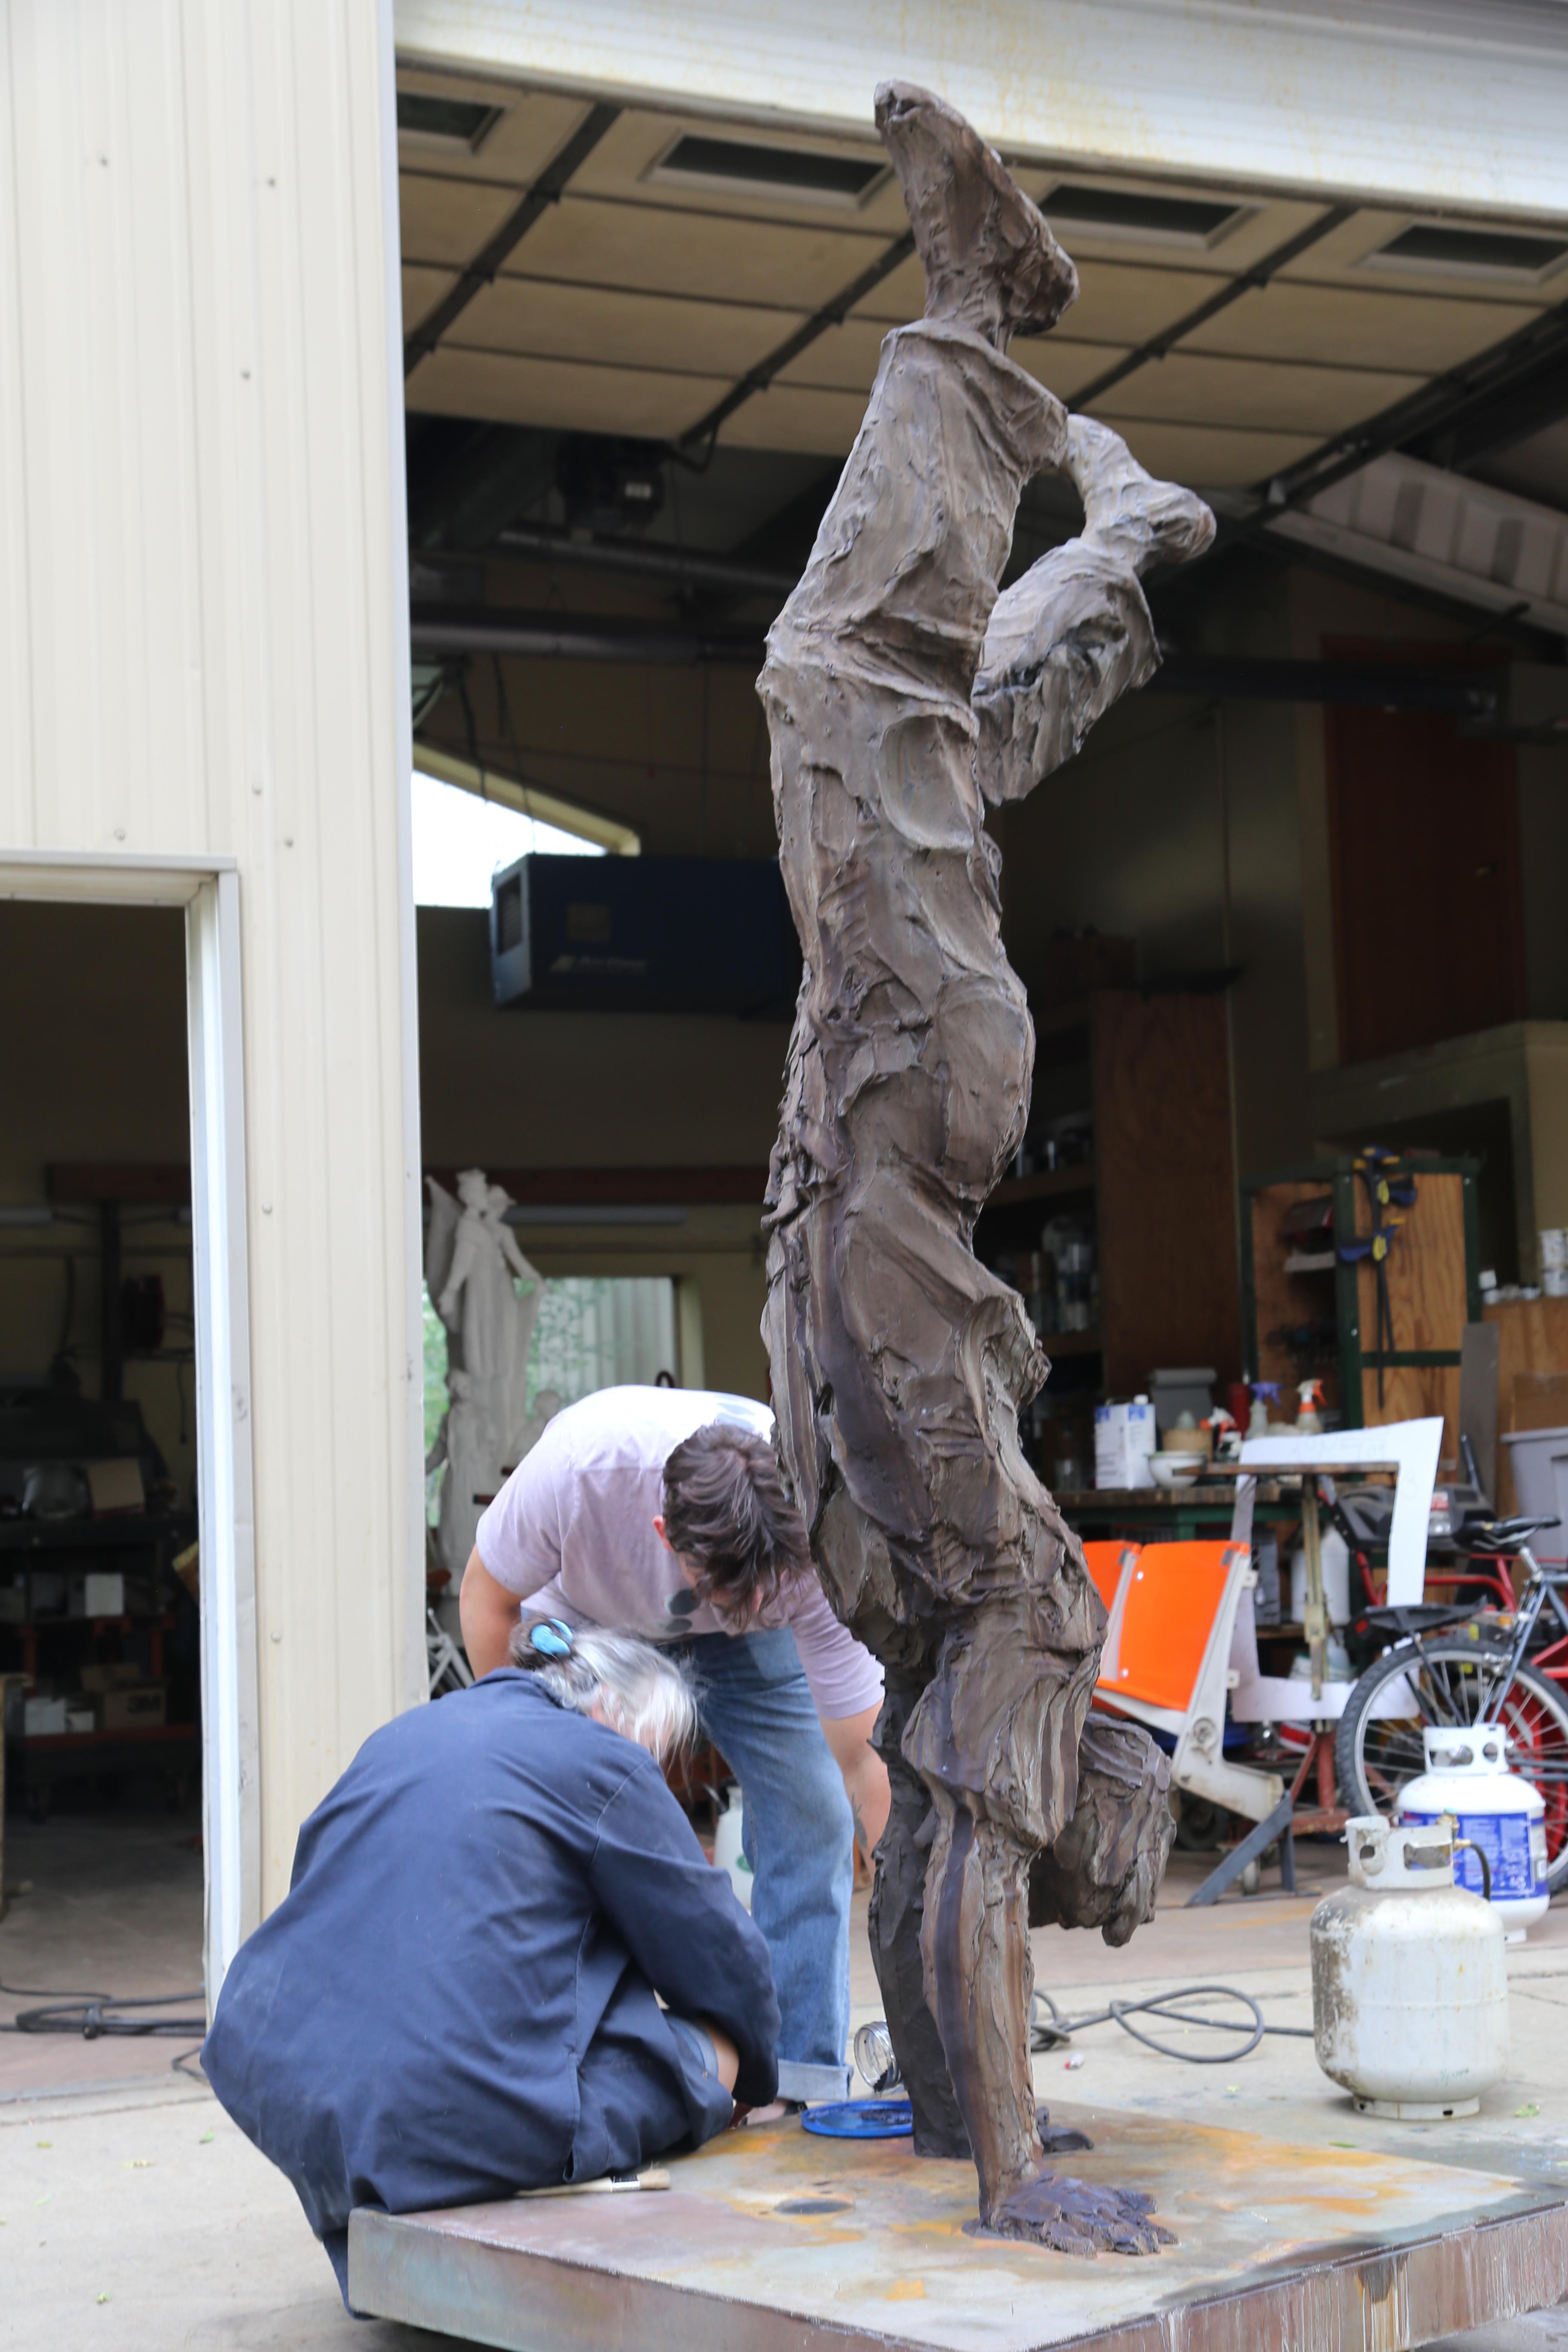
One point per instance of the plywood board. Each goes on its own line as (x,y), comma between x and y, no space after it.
(777,2240)
(1381,328)
(569,395)
(656,248)
(446,220)
(540,319)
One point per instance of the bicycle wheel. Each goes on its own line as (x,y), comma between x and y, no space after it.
(1452,1680)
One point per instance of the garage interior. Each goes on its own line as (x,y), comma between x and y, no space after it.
(638,346)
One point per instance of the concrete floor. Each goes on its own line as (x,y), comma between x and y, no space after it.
(133,2216)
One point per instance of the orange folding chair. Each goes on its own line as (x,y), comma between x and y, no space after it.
(1171,1667)
(1110,1566)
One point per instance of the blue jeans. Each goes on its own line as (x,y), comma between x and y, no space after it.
(756,1706)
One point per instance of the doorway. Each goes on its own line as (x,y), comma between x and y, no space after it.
(125,1567)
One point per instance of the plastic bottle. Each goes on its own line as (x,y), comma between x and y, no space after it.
(1335,1555)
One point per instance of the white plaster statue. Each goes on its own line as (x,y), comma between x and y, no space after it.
(472,1267)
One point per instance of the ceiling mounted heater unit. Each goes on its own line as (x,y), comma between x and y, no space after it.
(643,935)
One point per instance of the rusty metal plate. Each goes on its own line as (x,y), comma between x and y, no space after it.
(776,2239)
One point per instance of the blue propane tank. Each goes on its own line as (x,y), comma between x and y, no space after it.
(1467,1781)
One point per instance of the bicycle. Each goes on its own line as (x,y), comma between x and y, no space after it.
(1433,1674)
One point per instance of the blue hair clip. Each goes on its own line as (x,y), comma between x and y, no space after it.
(551,1638)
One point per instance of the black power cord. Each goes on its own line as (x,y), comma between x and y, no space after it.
(94,2015)
(1059,2030)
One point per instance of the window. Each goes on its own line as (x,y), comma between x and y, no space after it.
(459,840)
(1187,220)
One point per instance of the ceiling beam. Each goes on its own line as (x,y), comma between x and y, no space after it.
(1158,346)
(481,271)
(832,314)
(587,636)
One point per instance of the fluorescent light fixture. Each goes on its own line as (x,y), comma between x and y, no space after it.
(1126,213)
(1458,249)
(452,121)
(755,168)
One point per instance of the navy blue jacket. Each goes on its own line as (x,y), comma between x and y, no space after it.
(456,1998)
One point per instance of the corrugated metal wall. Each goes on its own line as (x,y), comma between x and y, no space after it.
(203,638)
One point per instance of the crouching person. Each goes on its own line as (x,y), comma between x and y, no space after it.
(456,1998)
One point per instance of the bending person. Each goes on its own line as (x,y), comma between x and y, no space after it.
(661,1512)
(456,1998)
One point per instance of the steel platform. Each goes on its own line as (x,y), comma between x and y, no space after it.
(775,2240)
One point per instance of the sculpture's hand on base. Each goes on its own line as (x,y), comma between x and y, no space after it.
(1074,2218)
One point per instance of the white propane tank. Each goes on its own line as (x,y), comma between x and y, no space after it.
(728,1853)
(1467,1777)
(1409,1990)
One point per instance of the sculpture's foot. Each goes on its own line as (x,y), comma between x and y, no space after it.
(1074,2218)
(1146,521)
(990,259)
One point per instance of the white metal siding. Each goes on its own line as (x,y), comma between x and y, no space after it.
(203,635)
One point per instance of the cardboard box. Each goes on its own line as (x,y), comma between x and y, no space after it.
(119,1675)
(43,1718)
(103,1592)
(115,1487)
(134,1710)
(1124,1438)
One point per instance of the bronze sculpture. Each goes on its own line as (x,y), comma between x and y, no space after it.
(901,694)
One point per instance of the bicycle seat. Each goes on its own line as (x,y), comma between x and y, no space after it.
(1478,1533)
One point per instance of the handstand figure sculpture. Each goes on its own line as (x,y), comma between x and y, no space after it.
(901,694)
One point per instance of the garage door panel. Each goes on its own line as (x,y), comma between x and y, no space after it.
(1118,303)
(541,317)
(1213,456)
(422,290)
(640,402)
(1270,394)
(651,250)
(449,220)
(1286,321)
(791,417)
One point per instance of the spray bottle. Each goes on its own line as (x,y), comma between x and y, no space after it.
(1309,1420)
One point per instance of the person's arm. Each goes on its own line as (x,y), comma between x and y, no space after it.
(488,1613)
(865,1774)
(679,1920)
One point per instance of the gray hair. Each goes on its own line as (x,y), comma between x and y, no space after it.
(642,1693)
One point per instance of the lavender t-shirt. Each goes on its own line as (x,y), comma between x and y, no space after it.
(571,1533)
